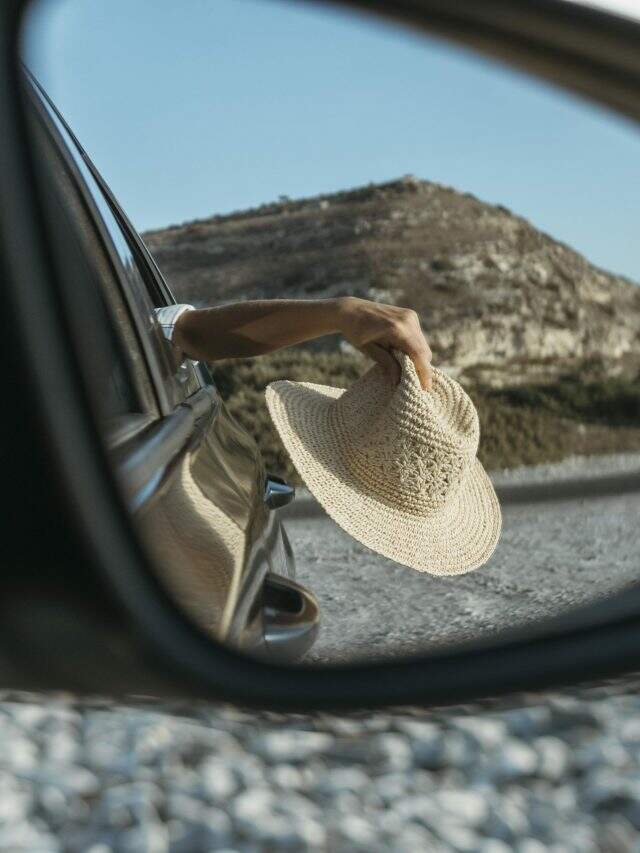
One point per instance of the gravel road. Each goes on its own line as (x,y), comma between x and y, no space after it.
(558,777)
(552,556)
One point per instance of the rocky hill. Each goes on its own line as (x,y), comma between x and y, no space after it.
(500,301)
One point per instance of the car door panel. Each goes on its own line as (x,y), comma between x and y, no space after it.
(192,477)
(196,483)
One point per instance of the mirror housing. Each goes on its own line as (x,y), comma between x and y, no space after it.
(81,609)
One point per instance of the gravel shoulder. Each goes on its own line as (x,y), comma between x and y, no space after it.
(572,468)
(552,556)
(559,776)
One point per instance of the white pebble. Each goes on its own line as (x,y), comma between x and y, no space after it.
(516,759)
(508,819)
(15,804)
(530,845)
(464,807)
(23,836)
(211,830)
(494,845)
(487,732)
(391,786)
(292,746)
(19,753)
(343,779)
(287,776)
(394,751)
(218,779)
(553,757)
(460,838)
(356,830)
(151,837)
(413,838)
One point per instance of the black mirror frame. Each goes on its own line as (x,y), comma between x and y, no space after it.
(155,649)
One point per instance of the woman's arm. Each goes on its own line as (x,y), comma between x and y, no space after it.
(246,329)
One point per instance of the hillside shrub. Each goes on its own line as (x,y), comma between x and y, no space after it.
(520,425)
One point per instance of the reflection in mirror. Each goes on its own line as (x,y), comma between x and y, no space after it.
(419,200)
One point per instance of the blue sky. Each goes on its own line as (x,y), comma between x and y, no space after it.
(205,106)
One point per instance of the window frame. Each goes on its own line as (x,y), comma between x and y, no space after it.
(134,268)
(188,379)
(138,374)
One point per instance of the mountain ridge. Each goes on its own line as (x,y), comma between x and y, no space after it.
(499,300)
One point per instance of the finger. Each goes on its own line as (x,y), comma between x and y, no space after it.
(424,371)
(420,355)
(384,358)
(410,338)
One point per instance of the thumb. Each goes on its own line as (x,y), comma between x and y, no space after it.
(384,358)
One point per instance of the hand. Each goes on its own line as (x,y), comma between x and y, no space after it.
(375,329)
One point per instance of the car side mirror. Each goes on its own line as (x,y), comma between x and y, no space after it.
(277,492)
(84,607)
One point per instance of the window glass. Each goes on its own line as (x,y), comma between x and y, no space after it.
(173,382)
(128,390)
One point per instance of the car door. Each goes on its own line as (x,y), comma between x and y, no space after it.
(194,479)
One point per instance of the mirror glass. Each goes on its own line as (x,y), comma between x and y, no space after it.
(259,151)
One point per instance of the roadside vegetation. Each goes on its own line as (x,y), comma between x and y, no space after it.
(520,425)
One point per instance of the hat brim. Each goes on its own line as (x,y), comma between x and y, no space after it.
(463,534)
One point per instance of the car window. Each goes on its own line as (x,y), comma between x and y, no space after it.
(128,398)
(182,377)
(179,374)
(143,292)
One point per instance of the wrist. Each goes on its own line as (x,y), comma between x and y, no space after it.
(180,337)
(343,310)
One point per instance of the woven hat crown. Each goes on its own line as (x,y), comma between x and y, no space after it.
(409,447)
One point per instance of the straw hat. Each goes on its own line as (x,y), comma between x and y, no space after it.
(394,466)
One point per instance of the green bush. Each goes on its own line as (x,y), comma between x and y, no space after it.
(520,425)
(615,402)
(242,382)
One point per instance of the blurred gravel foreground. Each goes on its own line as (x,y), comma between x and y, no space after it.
(559,776)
